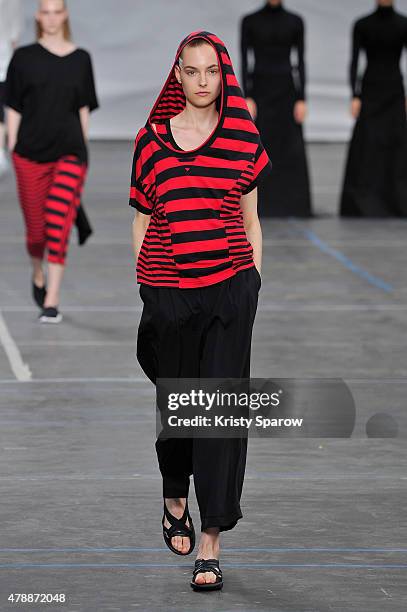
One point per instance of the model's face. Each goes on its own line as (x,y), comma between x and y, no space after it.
(385,2)
(51,16)
(200,75)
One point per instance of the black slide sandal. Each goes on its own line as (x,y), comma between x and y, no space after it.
(207,565)
(178,528)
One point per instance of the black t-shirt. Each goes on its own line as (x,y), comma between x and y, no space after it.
(48,91)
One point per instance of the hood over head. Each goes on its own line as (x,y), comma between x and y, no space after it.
(231,102)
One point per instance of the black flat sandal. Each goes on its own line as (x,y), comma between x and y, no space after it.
(207,565)
(178,528)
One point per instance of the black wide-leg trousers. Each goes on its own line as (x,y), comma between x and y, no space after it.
(201,333)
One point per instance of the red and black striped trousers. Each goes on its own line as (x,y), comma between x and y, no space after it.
(50,194)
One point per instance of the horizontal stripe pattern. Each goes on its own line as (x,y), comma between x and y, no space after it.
(49,194)
(196,235)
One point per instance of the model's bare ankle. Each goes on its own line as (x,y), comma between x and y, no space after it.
(175,503)
(51,301)
(209,544)
(39,278)
(176,507)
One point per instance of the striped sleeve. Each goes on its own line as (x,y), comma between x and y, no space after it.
(141,193)
(262,167)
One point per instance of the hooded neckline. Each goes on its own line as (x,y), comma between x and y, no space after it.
(171,100)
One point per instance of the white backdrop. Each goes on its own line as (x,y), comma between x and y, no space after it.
(133,43)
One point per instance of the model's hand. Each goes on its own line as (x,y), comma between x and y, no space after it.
(355,107)
(300,111)
(252,107)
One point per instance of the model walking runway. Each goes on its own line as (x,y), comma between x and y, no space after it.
(50,91)
(375,182)
(197,238)
(275,88)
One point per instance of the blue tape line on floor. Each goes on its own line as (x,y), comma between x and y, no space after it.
(343,259)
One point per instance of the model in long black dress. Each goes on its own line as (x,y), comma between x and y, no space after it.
(375,182)
(276,86)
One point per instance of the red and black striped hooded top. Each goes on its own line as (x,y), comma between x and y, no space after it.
(196,235)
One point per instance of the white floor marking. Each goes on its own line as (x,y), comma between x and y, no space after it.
(20,369)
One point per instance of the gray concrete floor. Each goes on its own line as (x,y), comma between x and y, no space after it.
(324,525)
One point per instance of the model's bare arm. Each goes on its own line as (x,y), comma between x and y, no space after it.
(140,225)
(248,204)
(13,123)
(84,118)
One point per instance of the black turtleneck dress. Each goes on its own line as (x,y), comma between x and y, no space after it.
(268,37)
(375,182)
